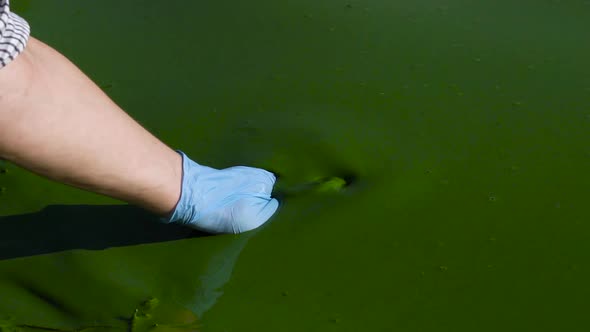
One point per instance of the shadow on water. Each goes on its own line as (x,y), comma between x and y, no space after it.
(92,227)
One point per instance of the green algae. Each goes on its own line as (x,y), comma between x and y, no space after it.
(462,125)
(145,318)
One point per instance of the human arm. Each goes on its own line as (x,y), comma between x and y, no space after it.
(56,122)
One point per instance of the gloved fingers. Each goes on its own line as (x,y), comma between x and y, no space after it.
(251,213)
(231,200)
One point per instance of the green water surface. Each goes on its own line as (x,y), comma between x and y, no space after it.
(462,128)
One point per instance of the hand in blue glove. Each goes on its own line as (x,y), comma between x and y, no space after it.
(231,200)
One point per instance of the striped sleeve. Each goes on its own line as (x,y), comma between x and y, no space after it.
(14,33)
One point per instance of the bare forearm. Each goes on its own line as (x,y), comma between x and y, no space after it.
(56,122)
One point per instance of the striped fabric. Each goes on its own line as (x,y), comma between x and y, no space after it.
(14,33)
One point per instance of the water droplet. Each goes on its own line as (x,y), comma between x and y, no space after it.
(516,103)
(477,59)
(443,268)
(492,198)
(492,239)
(285,293)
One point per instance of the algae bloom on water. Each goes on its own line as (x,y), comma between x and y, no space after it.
(332,184)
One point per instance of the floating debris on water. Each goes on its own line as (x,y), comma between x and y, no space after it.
(331,184)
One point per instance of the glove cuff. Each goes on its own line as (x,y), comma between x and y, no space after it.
(185,209)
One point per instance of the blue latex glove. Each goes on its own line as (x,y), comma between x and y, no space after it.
(231,200)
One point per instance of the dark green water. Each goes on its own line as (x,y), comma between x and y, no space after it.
(465,126)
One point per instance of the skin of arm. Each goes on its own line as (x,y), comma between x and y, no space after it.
(56,122)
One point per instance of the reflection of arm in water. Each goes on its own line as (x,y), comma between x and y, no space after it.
(186,277)
(56,122)
(219,271)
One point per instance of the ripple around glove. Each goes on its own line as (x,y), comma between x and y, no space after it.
(231,200)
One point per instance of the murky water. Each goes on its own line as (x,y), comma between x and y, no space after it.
(433,158)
